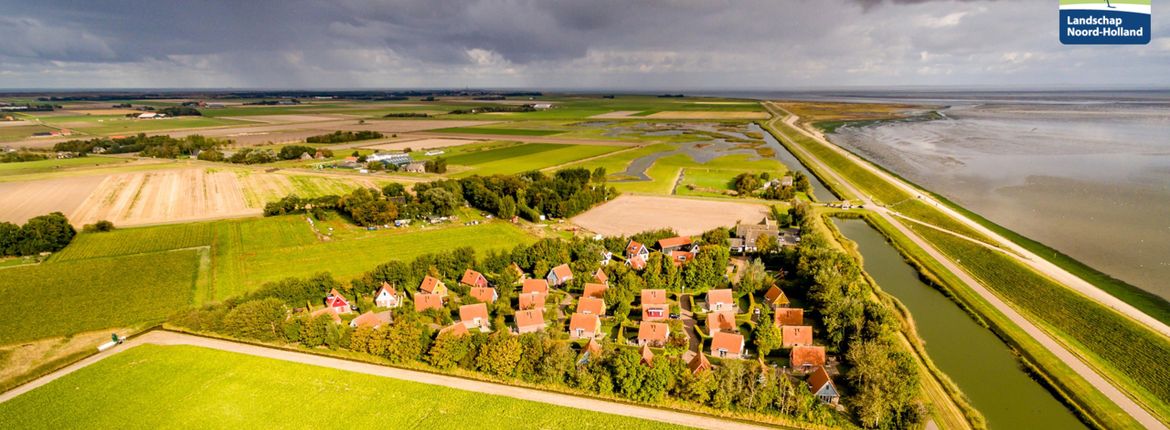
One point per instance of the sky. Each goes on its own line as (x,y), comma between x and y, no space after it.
(619,44)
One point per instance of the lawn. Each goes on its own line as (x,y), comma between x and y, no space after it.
(525,157)
(153,386)
(55,299)
(491,130)
(53,164)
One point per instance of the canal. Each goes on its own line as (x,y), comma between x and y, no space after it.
(974,358)
(820,191)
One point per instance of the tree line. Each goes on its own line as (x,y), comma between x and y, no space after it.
(344,136)
(763,185)
(148,146)
(21,156)
(262,155)
(45,233)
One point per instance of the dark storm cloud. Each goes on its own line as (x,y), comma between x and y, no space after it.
(720,43)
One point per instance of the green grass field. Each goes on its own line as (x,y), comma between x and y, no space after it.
(524,157)
(118,125)
(1127,350)
(53,164)
(492,130)
(18,132)
(55,299)
(153,386)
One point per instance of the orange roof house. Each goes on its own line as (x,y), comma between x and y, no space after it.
(721,321)
(472,278)
(591,306)
(821,385)
(726,345)
(387,297)
(529,321)
(337,302)
(532,301)
(635,249)
(647,356)
(584,326)
(371,320)
(775,297)
(601,277)
(720,300)
(636,262)
(457,329)
(518,271)
(431,285)
(653,334)
(680,243)
(807,357)
(596,291)
(699,363)
(424,301)
(591,351)
(795,335)
(679,258)
(788,316)
(484,294)
(475,317)
(327,311)
(534,286)
(559,275)
(654,306)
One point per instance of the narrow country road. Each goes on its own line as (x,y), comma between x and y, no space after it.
(162,337)
(1098,381)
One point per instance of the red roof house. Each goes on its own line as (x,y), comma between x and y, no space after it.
(720,300)
(424,301)
(532,301)
(338,302)
(584,326)
(788,316)
(721,321)
(821,385)
(726,345)
(472,278)
(484,294)
(654,306)
(371,320)
(680,243)
(795,335)
(601,277)
(332,313)
(699,363)
(534,286)
(591,306)
(636,262)
(596,291)
(807,357)
(776,298)
(475,317)
(559,275)
(653,334)
(635,249)
(431,285)
(529,321)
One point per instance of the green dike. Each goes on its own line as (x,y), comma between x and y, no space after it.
(169,387)
(1126,351)
(1086,401)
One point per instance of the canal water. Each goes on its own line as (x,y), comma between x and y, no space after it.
(820,191)
(974,358)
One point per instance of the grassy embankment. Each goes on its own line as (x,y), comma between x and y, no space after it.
(254,391)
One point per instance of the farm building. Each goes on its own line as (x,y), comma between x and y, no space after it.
(653,334)
(396,158)
(584,326)
(415,167)
(726,345)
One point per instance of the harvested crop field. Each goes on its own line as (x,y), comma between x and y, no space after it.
(429,143)
(708,115)
(616,114)
(164,196)
(20,201)
(285,119)
(629,214)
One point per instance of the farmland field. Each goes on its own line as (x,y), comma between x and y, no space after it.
(487,130)
(129,241)
(50,165)
(630,214)
(155,386)
(55,299)
(525,157)
(1116,343)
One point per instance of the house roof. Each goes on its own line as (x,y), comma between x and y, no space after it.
(819,378)
(637,262)
(591,305)
(699,363)
(429,284)
(516,268)
(593,347)
(796,334)
(653,297)
(634,248)
(582,321)
(531,317)
(678,258)
(775,296)
(535,286)
(647,355)
(456,329)
(484,294)
(600,276)
(807,355)
(732,342)
(424,301)
(674,242)
(471,312)
(789,316)
(473,278)
(371,319)
(563,273)
(327,310)
(387,288)
(595,291)
(534,300)
(335,299)
(720,296)
(653,331)
(724,320)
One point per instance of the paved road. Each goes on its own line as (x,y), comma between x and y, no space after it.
(1069,358)
(172,338)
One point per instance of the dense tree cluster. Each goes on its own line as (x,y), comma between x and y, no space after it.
(98,227)
(765,186)
(344,136)
(45,233)
(406,115)
(19,156)
(180,111)
(490,109)
(147,146)
(252,156)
